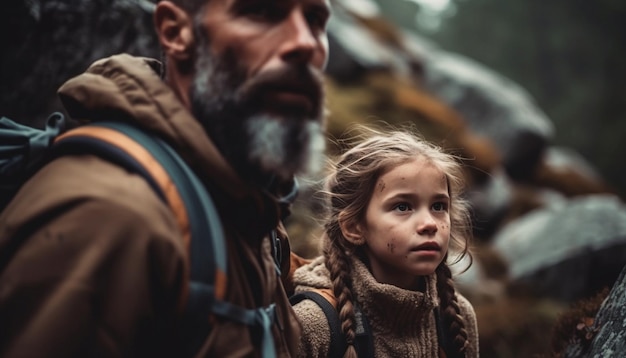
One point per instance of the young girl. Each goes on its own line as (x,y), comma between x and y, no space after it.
(395,214)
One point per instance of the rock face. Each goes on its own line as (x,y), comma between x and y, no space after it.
(53,40)
(610,324)
(568,250)
(494,107)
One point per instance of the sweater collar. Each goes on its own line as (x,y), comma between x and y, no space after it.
(391,308)
(388,308)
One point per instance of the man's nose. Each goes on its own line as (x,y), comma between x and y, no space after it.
(300,43)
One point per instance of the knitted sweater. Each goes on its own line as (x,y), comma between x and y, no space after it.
(402,321)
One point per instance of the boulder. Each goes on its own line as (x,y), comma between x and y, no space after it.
(568,250)
(608,327)
(493,106)
(54,40)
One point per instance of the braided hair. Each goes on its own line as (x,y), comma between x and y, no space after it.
(349,189)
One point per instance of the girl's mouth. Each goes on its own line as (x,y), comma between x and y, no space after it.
(427,246)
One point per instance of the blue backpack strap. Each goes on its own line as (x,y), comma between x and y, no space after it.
(207,286)
(207,273)
(204,294)
(338,344)
(23,150)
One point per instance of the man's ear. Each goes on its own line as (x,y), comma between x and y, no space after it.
(353,232)
(175,30)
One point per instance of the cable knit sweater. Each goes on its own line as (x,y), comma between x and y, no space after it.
(402,321)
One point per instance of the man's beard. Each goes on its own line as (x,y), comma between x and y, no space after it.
(259,145)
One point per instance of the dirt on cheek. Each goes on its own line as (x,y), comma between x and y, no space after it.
(391,246)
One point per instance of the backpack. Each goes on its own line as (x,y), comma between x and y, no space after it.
(364,341)
(24,150)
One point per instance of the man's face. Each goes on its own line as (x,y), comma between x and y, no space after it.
(257,87)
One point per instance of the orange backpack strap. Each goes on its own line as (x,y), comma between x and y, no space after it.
(328,294)
(174,182)
(295,262)
(156,175)
(142,153)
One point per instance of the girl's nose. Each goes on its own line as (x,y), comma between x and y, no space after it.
(427,225)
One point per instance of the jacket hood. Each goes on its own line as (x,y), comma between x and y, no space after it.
(130,89)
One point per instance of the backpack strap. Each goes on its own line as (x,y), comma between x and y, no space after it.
(363,343)
(445,346)
(338,342)
(276,242)
(23,151)
(170,178)
(195,213)
(175,183)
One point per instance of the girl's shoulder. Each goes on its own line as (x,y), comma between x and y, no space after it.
(467,309)
(316,330)
(313,275)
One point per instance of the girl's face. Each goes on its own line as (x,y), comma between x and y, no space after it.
(407,224)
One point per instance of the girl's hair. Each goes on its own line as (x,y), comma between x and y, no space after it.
(349,189)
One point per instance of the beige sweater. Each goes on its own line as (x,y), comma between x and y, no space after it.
(402,321)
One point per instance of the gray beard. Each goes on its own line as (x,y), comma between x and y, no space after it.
(285,149)
(258,146)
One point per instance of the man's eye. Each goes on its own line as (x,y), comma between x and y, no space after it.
(317,19)
(261,11)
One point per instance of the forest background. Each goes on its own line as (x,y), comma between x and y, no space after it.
(568,54)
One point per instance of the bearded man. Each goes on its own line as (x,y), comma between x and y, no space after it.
(101,268)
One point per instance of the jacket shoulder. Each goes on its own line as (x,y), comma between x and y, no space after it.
(75,182)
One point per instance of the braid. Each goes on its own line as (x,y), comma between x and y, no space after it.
(338,266)
(349,189)
(450,311)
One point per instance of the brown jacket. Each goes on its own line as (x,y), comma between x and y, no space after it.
(402,321)
(101,269)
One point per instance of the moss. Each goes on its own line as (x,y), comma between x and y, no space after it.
(576,325)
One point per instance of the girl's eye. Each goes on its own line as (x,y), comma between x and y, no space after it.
(440,206)
(402,207)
